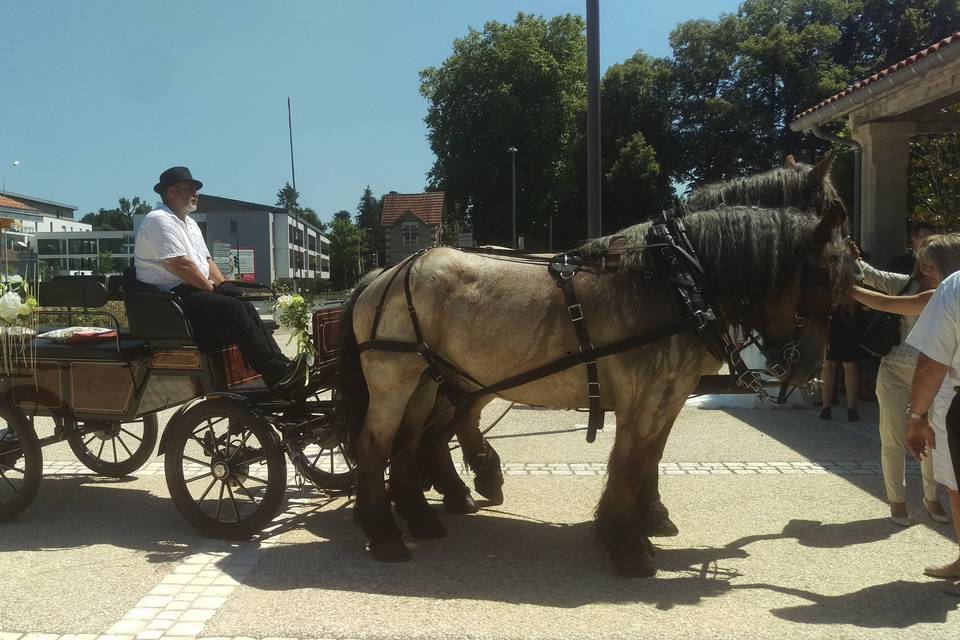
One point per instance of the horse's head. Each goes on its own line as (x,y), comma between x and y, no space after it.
(814,189)
(795,321)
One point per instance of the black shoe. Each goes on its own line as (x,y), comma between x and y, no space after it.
(825,413)
(293,374)
(852,415)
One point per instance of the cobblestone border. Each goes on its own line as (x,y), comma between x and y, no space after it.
(842,467)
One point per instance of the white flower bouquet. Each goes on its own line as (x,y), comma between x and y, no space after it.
(295,312)
(18,322)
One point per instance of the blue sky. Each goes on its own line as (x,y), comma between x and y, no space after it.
(100,96)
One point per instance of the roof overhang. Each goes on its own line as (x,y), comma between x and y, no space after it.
(917,91)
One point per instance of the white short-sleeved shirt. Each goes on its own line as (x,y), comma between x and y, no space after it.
(937,335)
(162,235)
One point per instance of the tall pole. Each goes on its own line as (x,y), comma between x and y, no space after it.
(593,118)
(16,163)
(293,176)
(513,182)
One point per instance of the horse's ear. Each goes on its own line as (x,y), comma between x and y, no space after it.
(790,162)
(831,219)
(820,172)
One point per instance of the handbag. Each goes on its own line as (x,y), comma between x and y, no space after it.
(881,334)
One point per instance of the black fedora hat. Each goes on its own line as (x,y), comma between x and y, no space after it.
(175,174)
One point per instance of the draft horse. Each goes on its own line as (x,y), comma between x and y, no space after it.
(799,185)
(776,271)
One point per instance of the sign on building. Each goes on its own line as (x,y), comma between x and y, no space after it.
(236,264)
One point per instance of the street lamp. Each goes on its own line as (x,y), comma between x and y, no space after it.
(513,173)
(16,163)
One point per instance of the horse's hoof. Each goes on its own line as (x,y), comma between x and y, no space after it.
(390,550)
(460,503)
(659,524)
(635,565)
(428,528)
(490,488)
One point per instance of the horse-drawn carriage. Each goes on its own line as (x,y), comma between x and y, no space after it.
(429,349)
(226,445)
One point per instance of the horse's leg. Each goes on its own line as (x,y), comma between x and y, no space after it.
(482,458)
(389,390)
(653,513)
(620,527)
(405,488)
(437,467)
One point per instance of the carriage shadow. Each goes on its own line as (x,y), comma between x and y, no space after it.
(75,511)
(514,560)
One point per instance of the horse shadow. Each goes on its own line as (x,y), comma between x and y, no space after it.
(515,560)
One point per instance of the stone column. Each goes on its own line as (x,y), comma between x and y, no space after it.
(883,190)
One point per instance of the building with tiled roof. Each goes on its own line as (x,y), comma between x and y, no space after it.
(411,221)
(883,111)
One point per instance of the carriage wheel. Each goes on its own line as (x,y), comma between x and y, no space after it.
(318,448)
(113,449)
(21,462)
(225,472)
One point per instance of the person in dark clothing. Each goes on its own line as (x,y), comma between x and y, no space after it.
(171,254)
(907,262)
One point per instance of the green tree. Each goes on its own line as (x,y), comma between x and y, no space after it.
(119,218)
(368,219)
(105,263)
(346,239)
(935,180)
(289,198)
(519,85)
(741,79)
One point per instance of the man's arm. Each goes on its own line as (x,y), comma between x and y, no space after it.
(216,276)
(927,379)
(185,269)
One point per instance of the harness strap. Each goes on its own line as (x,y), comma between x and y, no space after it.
(563,267)
(383,297)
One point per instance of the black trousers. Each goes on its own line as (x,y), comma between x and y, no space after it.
(219,320)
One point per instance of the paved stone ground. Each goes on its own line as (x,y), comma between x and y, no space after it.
(783,535)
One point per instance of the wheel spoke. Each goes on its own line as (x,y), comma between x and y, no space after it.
(100,452)
(242,444)
(251,478)
(247,491)
(209,486)
(7,480)
(87,443)
(119,439)
(195,461)
(202,475)
(131,434)
(219,501)
(233,501)
(113,441)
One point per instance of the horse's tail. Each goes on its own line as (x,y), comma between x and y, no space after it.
(352,388)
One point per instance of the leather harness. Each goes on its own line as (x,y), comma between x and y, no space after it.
(675,263)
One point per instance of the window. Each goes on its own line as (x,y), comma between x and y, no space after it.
(324,247)
(82,246)
(233,226)
(51,247)
(408,231)
(113,245)
(312,243)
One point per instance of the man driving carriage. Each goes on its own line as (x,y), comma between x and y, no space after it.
(170,254)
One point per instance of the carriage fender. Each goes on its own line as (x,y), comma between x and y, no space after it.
(228,397)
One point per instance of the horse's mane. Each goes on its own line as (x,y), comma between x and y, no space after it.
(777,188)
(746,252)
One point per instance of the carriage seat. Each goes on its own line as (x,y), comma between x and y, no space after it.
(106,350)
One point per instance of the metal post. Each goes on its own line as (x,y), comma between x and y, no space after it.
(513,181)
(593,119)
(296,218)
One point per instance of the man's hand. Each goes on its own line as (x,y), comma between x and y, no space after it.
(920,438)
(228,288)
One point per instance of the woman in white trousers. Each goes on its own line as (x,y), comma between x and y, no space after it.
(893,387)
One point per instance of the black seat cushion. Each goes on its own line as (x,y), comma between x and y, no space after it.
(98,350)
